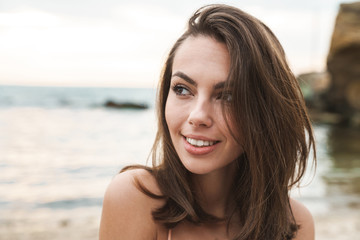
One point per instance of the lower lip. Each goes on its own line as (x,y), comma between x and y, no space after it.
(199,150)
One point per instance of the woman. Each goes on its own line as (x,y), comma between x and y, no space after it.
(233,138)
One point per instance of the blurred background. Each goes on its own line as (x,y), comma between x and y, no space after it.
(77,91)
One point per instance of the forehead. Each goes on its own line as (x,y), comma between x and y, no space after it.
(202,56)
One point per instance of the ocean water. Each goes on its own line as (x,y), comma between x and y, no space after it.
(60,147)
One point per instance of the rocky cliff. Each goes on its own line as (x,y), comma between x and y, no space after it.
(343,62)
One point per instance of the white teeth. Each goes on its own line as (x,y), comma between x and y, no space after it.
(199,143)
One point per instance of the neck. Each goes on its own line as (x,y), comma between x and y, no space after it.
(214,189)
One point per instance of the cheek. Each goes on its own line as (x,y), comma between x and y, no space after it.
(224,123)
(171,114)
(230,129)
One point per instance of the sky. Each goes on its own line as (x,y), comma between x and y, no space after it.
(125,42)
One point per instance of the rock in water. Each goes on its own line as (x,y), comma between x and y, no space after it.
(343,62)
(125,105)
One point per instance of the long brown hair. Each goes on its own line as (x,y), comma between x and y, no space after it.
(268,110)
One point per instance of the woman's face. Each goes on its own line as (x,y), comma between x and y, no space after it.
(194,106)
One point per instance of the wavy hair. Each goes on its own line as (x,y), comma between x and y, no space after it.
(268,110)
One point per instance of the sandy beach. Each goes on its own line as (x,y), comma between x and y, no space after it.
(337,225)
(44,224)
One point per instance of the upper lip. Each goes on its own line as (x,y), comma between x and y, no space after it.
(197,137)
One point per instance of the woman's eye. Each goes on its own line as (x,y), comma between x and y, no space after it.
(225,97)
(181,90)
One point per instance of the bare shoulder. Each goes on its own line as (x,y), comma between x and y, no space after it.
(303,218)
(127,210)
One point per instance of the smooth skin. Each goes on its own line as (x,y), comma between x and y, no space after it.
(193,109)
(195,102)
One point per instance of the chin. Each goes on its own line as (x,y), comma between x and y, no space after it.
(203,168)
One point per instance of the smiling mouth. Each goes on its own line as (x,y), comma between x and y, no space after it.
(200,143)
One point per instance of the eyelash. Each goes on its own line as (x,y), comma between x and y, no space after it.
(225,96)
(178,88)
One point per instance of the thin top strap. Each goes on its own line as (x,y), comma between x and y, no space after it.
(169,234)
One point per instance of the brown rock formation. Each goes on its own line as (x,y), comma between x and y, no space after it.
(343,62)
(314,85)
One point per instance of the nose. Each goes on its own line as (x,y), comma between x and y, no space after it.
(201,114)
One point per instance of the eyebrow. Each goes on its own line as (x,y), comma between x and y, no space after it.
(185,77)
(219,85)
(188,79)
